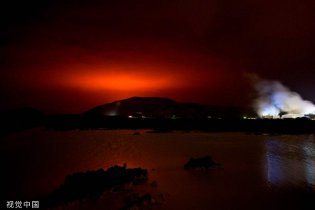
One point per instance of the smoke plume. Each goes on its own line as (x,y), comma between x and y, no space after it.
(276,100)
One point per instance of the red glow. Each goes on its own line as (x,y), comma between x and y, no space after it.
(182,76)
(134,79)
(121,82)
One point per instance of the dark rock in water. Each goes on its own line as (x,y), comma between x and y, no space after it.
(92,184)
(201,163)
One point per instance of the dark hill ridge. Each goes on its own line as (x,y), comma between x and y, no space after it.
(160,107)
(134,104)
(159,115)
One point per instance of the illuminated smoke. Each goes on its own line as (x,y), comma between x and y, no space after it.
(275,100)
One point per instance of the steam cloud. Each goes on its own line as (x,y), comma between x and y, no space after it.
(275,100)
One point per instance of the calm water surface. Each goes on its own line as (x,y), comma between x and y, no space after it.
(259,171)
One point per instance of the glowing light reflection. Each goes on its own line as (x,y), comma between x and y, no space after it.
(309,153)
(290,163)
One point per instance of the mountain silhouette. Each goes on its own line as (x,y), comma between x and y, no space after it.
(157,107)
(149,107)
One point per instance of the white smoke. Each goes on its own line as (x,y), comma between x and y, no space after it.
(274,99)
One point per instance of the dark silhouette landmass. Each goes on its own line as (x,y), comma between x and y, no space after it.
(158,107)
(165,115)
(92,184)
(158,114)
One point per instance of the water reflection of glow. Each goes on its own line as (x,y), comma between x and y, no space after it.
(309,153)
(290,162)
(273,164)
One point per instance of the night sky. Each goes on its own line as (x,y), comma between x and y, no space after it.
(68,56)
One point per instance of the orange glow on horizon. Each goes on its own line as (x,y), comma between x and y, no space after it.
(124,78)
(104,81)
(121,82)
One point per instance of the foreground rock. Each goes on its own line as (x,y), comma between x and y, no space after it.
(201,163)
(92,184)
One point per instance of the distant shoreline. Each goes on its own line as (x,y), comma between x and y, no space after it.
(159,125)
